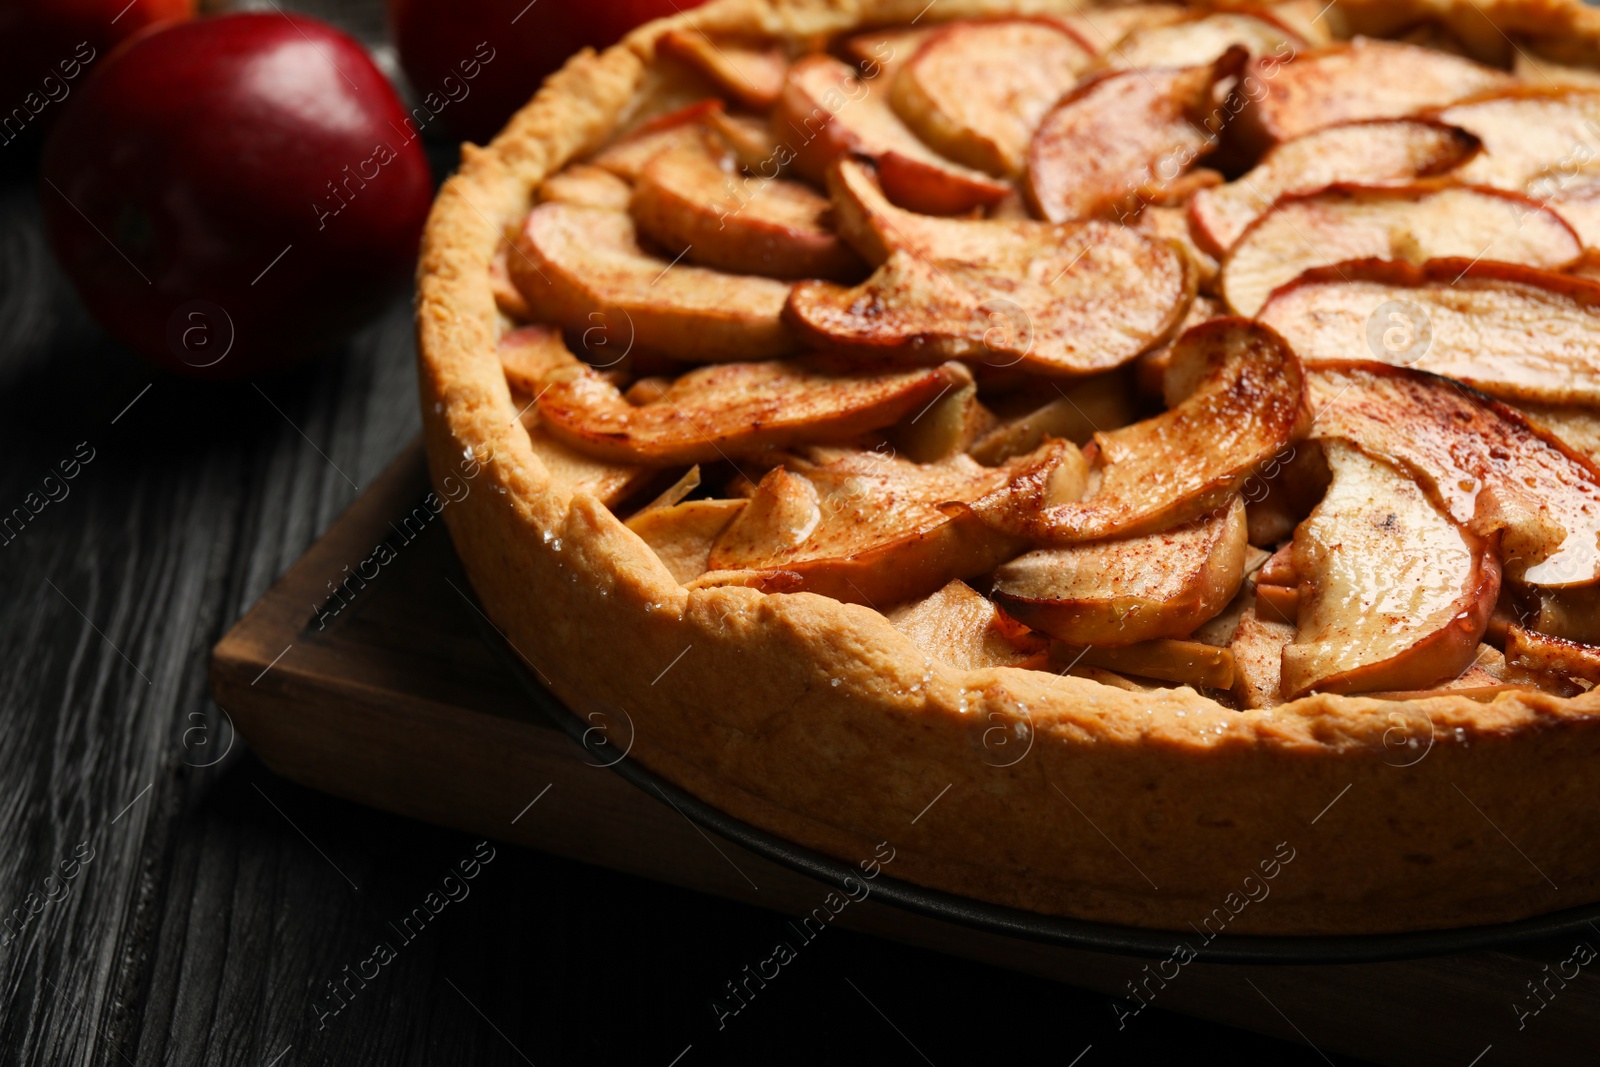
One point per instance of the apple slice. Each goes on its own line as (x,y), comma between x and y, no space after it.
(959,628)
(527,356)
(1514,332)
(626,156)
(826,111)
(1408,222)
(1535,69)
(1533,651)
(692,196)
(881,53)
(1029,295)
(681,535)
(1371,152)
(1577,428)
(1171,223)
(1129,590)
(748,72)
(1100,28)
(1482,461)
(976,91)
(1394,594)
(950,423)
(734,408)
(1362,79)
(752,141)
(582,267)
(1578,202)
(1184,662)
(1080,411)
(1151,370)
(1202,39)
(588,185)
(1535,138)
(507,297)
(1239,398)
(1257,648)
(1118,139)
(865,528)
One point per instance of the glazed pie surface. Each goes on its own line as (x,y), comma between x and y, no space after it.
(1170,428)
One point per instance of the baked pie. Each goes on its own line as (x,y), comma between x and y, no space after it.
(1096,448)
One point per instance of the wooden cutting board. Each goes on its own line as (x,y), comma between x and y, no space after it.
(363,673)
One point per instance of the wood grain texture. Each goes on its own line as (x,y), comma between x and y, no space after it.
(216,906)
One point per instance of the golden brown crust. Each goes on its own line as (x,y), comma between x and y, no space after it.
(818,721)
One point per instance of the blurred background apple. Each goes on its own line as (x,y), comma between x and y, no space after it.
(47,46)
(528,41)
(232,194)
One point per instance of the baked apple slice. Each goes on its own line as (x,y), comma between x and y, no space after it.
(1167,659)
(527,356)
(976,91)
(1202,39)
(959,628)
(1118,139)
(1082,409)
(1150,372)
(1171,223)
(865,528)
(1029,295)
(1514,332)
(882,52)
(1257,648)
(1239,398)
(950,423)
(1411,222)
(1132,589)
(748,72)
(692,196)
(1395,595)
(1100,28)
(682,534)
(826,111)
(734,408)
(1530,650)
(588,185)
(1535,138)
(1489,469)
(1576,427)
(626,156)
(1371,152)
(582,267)
(1363,79)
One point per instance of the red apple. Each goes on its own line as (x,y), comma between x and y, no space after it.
(231,194)
(474,62)
(47,46)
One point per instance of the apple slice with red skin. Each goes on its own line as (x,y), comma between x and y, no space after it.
(1394,594)
(1513,332)
(1128,590)
(1203,38)
(582,267)
(866,528)
(626,156)
(1360,79)
(826,111)
(1008,293)
(1370,152)
(528,355)
(959,628)
(1117,140)
(1481,461)
(1533,651)
(1534,137)
(734,408)
(1409,222)
(749,72)
(976,91)
(1239,398)
(693,196)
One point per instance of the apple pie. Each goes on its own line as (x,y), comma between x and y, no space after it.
(1102,450)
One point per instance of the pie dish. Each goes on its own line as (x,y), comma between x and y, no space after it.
(1150,478)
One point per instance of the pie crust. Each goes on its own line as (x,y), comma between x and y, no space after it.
(820,722)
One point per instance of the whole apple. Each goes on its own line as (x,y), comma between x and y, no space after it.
(232,194)
(474,62)
(47,46)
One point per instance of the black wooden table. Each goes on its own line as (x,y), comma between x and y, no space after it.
(166,900)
